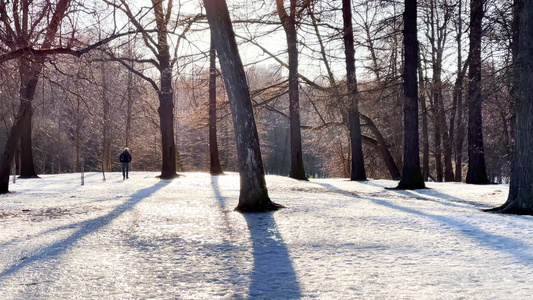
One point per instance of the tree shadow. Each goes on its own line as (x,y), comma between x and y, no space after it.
(84,229)
(441,198)
(273,275)
(426,194)
(501,243)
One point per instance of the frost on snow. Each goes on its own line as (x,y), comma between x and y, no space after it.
(180,239)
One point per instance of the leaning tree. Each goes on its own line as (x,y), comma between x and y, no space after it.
(253,192)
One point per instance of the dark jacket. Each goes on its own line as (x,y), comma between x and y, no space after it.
(125,157)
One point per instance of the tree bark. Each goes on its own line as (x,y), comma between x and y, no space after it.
(288,21)
(383,149)
(411,175)
(12,141)
(520,199)
(456,119)
(358,163)
(28,85)
(165,95)
(253,191)
(477,173)
(214,160)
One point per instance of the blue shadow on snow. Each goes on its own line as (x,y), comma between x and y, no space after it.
(496,242)
(273,275)
(85,228)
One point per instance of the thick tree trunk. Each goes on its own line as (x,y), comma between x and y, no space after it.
(520,199)
(12,142)
(166,117)
(253,192)
(411,175)
(289,24)
(358,162)
(166,96)
(28,79)
(477,173)
(214,161)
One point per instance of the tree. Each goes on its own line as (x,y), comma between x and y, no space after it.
(160,48)
(477,173)
(358,163)
(253,191)
(520,198)
(411,175)
(214,161)
(288,22)
(30,67)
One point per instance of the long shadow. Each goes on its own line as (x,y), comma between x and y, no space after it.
(273,275)
(496,242)
(85,228)
(448,200)
(425,195)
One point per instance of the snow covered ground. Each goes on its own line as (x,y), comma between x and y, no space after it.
(145,238)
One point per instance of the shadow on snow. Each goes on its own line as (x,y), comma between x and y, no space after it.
(85,228)
(269,250)
(496,242)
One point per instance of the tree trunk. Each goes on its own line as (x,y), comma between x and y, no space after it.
(411,175)
(383,149)
(520,199)
(425,132)
(106,124)
(358,162)
(214,161)
(28,79)
(460,128)
(253,192)
(166,96)
(12,141)
(456,119)
(289,24)
(477,173)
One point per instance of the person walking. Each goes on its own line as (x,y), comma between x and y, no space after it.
(125,159)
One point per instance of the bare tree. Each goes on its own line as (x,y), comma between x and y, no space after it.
(477,172)
(520,199)
(411,175)
(358,163)
(288,20)
(214,160)
(30,68)
(164,62)
(253,192)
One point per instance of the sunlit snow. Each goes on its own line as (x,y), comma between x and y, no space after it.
(146,238)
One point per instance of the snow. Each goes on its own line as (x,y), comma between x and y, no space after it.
(146,238)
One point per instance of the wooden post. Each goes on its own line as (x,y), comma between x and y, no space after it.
(82,177)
